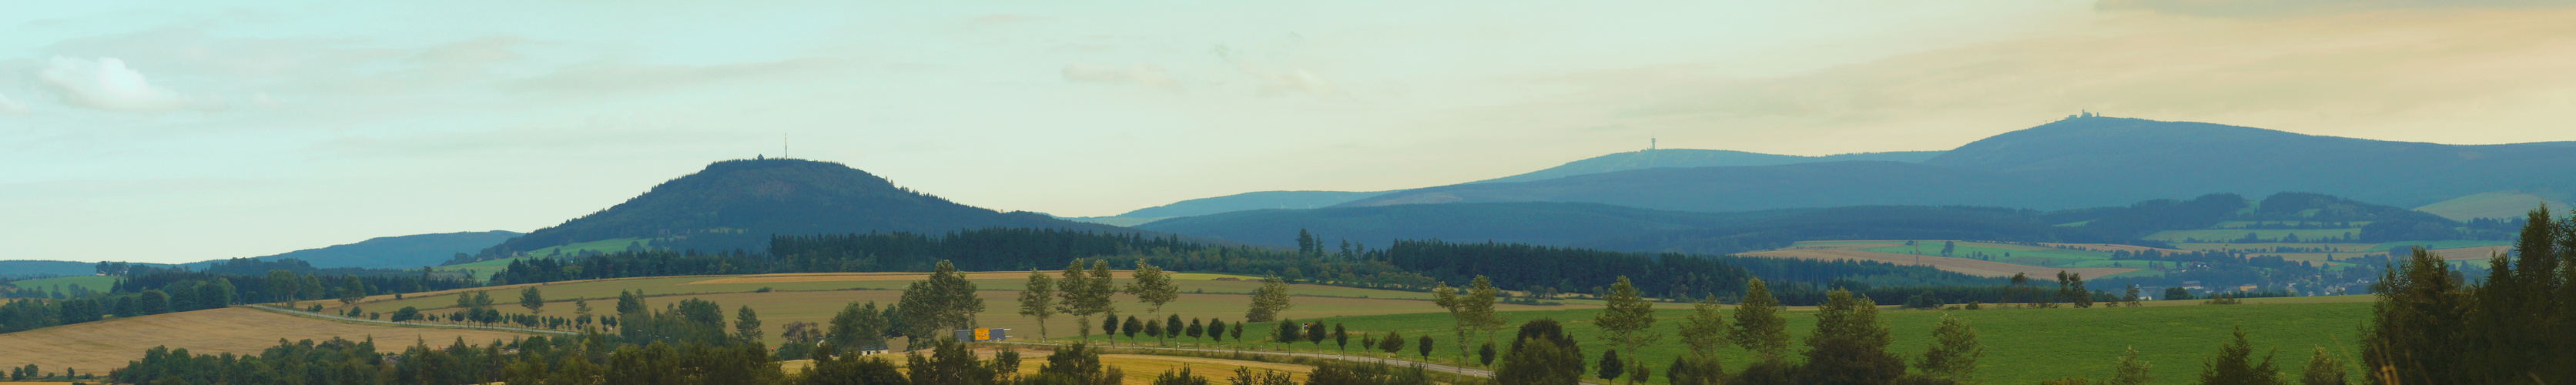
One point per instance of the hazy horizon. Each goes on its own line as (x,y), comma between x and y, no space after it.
(245,129)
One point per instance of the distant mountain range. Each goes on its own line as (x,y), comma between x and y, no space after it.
(738,204)
(1686,158)
(1643,159)
(1634,229)
(2080,162)
(402,252)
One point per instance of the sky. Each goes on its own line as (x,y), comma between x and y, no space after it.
(186,131)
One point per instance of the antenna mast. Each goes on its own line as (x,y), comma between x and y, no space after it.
(782,146)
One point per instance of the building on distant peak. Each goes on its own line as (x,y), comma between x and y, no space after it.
(2082,114)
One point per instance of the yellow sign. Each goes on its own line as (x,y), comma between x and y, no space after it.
(982,334)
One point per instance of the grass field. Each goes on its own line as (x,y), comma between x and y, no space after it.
(93,282)
(2008,259)
(96,347)
(1140,369)
(2246,224)
(805,298)
(2494,204)
(2337,247)
(2222,235)
(2022,345)
(2436,245)
(484,269)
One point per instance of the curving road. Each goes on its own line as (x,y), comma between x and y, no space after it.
(354,319)
(1391,362)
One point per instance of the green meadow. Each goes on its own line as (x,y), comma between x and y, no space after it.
(93,282)
(2022,345)
(2223,235)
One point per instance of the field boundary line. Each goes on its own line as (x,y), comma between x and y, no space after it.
(426,325)
(1383,361)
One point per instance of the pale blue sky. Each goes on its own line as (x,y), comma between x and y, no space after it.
(183,131)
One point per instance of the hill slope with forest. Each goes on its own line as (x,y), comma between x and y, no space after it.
(1634,229)
(739,204)
(403,252)
(1678,158)
(1657,158)
(2079,162)
(1720,189)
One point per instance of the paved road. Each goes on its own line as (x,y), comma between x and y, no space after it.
(1392,362)
(354,319)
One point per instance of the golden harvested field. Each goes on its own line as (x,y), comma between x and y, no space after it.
(1957,265)
(97,347)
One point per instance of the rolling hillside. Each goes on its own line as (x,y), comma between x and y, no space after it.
(1658,158)
(22,269)
(1677,158)
(403,252)
(2081,162)
(2184,158)
(1720,189)
(738,204)
(1248,201)
(1626,228)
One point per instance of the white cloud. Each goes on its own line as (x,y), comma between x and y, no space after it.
(11,107)
(106,84)
(1138,73)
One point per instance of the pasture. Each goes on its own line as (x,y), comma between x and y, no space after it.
(817,297)
(2007,259)
(2022,345)
(96,347)
(1140,369)
(2263,235)
(93,282)
(2493,204)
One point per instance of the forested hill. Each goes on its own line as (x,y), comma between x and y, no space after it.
(2184,158)
(1620,228)
(1659,158)
(2073,163)
(1632,229)
(739,204)
(403,252)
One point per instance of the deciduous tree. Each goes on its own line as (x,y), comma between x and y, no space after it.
(1954,351)
(1268,301)
(1758,325)
(1037,300)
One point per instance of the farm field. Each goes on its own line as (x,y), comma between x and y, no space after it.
(2493,204)
(2023,259)
(2249,224)
(1139,368)
(2222,235)
(2022,345)
(2336,247)
(484,269)
(813,298)
(96,347)
(97,283)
